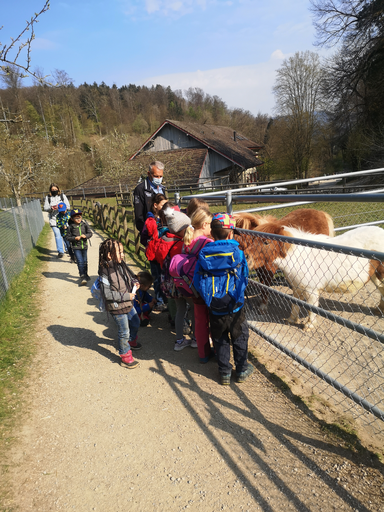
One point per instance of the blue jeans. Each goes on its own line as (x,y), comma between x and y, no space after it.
(82,261)
(156,271)
(126,329)
(58,239)
(69,248)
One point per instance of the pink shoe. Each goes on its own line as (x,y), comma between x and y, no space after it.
(127,360)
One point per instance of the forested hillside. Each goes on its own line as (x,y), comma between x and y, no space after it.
(79,132)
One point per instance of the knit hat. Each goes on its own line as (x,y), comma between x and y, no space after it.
(226,220)
(176,220)
(61,207)
(76,211)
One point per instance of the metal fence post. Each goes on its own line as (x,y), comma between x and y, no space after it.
(2,268)
(177,198)
(228,198)
(18,233)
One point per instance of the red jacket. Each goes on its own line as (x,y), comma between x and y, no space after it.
(169,243)
(153,236)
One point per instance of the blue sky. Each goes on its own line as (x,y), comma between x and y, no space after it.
(231,48)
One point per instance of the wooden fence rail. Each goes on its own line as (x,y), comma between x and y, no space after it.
(113,220)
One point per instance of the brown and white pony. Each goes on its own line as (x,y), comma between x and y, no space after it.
(310,271)
(309,220)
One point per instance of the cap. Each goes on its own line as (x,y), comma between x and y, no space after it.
(61,207)
(226,220)
(76,211)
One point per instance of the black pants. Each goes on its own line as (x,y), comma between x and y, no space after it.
(227,329)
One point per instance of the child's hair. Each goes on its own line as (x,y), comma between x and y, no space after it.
(109,246)
(156,200)
(194,204)
(200,216)
(218,232)
(145,278)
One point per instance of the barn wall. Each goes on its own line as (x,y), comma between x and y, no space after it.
(170,137)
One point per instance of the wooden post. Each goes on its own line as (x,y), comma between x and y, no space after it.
(117,222)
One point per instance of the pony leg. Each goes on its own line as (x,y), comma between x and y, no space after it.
(378,281)
(310,320)
(265,277)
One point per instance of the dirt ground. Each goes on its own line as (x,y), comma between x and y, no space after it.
(165,436)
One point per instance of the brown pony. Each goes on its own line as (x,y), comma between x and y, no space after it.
(311,221)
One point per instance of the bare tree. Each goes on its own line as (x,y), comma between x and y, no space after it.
(298,99)
(25,162)
(10,53)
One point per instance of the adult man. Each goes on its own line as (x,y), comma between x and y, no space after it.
(143,193)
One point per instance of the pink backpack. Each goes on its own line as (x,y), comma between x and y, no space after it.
(181,268)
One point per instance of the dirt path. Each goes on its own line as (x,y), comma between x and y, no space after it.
(166,436)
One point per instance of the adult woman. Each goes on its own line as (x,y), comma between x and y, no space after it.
(55,197)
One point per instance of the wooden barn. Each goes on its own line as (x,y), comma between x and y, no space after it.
(199,153)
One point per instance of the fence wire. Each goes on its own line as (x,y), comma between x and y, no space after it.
(20,227)
(342,344)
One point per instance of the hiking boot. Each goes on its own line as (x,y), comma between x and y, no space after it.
(87,277)
(242,376)
(60,255)
(144,323)
(83,280)
(73,260)
(225,379)
(193,343)
(180,344)
(127,361)
(135,345)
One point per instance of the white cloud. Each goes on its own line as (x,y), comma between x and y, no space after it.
(248,87)
(167,7)
(43,44)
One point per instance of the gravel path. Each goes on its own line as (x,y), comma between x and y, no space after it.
(165,436)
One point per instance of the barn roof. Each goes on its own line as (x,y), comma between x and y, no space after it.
(225,141)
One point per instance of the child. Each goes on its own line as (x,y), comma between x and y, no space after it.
(194,204)
(62,223)
(78,234)
(197,235)
(153,229)
(117,289)
(144,302)
(221,276)
(170,245)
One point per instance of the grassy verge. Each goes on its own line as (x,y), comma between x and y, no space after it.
(19,313)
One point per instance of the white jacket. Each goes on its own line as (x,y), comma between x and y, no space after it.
(53,201)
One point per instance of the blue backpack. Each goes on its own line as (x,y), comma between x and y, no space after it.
(221,276)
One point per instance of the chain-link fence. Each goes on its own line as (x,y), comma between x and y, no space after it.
(315,336)
(20,227)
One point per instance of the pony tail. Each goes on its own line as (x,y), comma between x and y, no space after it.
(188,236)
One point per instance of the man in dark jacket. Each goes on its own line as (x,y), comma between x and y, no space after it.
(143,193)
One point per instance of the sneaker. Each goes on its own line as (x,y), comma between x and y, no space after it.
(60,255)
(179,345)
(225,379)
(193,343)
(206,359)
(144,323)
(83,280)
(135,345)
(161,307)
(87,277)
(73,260)
(241,377)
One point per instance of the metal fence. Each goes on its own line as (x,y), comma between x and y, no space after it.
(20,227)
(338,363)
